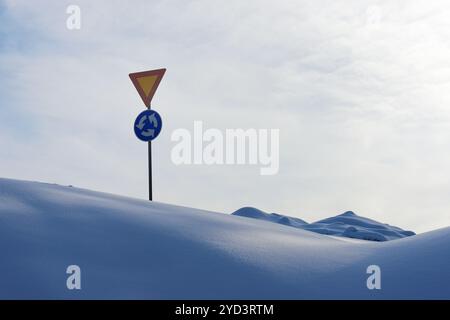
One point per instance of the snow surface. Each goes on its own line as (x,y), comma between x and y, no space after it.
(347,225)
(129,248)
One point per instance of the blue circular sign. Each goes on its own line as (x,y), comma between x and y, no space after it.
(148,125)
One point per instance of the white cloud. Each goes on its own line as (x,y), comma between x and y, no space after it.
(359,90)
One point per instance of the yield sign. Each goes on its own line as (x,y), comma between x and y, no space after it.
(146,83)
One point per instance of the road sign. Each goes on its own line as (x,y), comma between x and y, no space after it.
(148,125)
(146,83)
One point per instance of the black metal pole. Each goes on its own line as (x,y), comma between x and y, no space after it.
(150,187)
(150,193)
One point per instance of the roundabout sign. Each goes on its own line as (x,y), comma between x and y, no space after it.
(148,123)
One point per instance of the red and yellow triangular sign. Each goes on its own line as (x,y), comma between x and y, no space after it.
(146,83)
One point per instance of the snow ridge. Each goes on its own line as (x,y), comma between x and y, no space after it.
(347,224)
(135,249)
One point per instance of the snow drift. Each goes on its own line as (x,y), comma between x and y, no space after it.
(347,225)
(128,248)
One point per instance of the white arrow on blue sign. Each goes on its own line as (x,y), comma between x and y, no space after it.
(148,125)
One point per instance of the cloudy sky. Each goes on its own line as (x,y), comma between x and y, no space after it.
(360,91)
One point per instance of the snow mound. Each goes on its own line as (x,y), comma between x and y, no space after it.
(251,212)
(351,225)
(347,224)
(135,249)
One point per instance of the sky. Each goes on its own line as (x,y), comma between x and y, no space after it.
(360,91)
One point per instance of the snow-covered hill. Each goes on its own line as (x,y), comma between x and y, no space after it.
(129,248)
(347,225)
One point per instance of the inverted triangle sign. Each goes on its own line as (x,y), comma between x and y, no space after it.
(146,83)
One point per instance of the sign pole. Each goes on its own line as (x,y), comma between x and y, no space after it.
(150,184)
(150,189)
(148,123)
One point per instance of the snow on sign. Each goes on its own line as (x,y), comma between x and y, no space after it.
(147,125)
(146,83)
